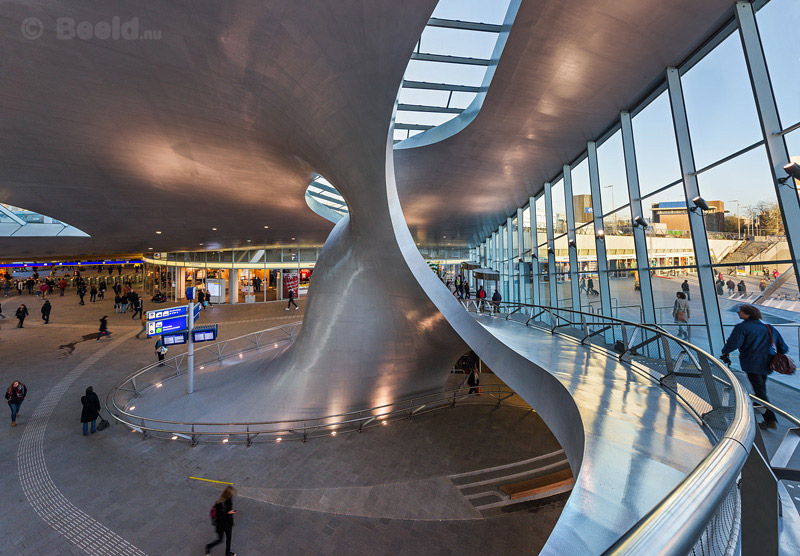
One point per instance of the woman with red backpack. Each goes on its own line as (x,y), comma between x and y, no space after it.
(222,519)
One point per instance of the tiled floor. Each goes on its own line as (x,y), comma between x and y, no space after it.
(381,492)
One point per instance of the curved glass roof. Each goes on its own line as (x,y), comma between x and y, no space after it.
(449,65)
(19,222)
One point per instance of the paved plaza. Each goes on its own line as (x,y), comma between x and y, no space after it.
(385,491)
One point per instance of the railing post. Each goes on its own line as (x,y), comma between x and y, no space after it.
(760,507)
(194,438)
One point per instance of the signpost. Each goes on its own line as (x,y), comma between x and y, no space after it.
(175,326)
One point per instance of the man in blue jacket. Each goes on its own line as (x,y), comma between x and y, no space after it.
(752,338)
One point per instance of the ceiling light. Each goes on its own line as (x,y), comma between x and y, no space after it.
(149,248)
(158,231)
(266,227)
(199,244)
(214,229)
(292,239)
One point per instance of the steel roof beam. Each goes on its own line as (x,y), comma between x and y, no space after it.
(464,25)
(441,87)
(413,127)
(450,59)
(427,108)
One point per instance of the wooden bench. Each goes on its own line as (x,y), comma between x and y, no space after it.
(538,485)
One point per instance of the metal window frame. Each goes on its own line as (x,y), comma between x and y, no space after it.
(551,246)
(569,207)
(597,214)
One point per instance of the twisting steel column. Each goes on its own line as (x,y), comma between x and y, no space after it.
(599,230)
(572,243)
(639,233)
(705,272)
(551,247)
(771,127)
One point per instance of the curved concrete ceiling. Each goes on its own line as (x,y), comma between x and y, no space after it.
(221,122)
(567,71)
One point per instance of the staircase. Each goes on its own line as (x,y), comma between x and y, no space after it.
(746,251)
(516,486)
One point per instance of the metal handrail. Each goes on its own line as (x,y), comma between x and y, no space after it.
(301,428)
(676,524)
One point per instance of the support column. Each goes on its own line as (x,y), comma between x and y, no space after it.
(519,263)
(511,265)
(600,244)
(574,279)
(771,126)
(705,271)
(534,255)
(233,285)
(551,244)
(180,282)
(639,233)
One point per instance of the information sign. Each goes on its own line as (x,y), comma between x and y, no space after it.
(197,308)
(168,313)
(175,339)
(164,326)
(205,333)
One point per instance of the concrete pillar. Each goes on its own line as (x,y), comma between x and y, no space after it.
(233,285)
(180,282)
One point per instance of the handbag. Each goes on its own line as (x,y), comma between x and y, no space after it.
(680,315)
(780,362)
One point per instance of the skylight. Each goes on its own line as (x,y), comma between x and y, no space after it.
(448,67)
(19,222)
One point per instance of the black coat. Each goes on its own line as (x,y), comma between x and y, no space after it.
(91,407)
(224,519)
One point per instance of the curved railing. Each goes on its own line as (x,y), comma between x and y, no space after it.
(702,514)
(121,400)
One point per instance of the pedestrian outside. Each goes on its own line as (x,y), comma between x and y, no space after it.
(496,299)
(757,342)
(762,285)
(90,411)
(680,312)
(15,394)
(474,381)
(46,308)
(222,518)
(685,289)
(144,326)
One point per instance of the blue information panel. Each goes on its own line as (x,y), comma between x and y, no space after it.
(205,333)
(196,311)
(164,326)
(162,314)
(175,339)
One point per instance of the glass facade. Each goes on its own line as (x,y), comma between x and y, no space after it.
(703,133)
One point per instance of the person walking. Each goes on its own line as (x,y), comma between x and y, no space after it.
(93,294)
(291,300)
(21,313)
(481,295)
(103,328)
(161,351)
(466,290)
(81,293)
(222,518)
(62,285)
(741,287)
(138,304)
(680,312)
(90,411)
(720,286)
(46,311)
(496,299)
(757,342)
(731,286)
(762,285)
(101,290)
(685,289)
(15,394)
(474,381)
(144,326)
